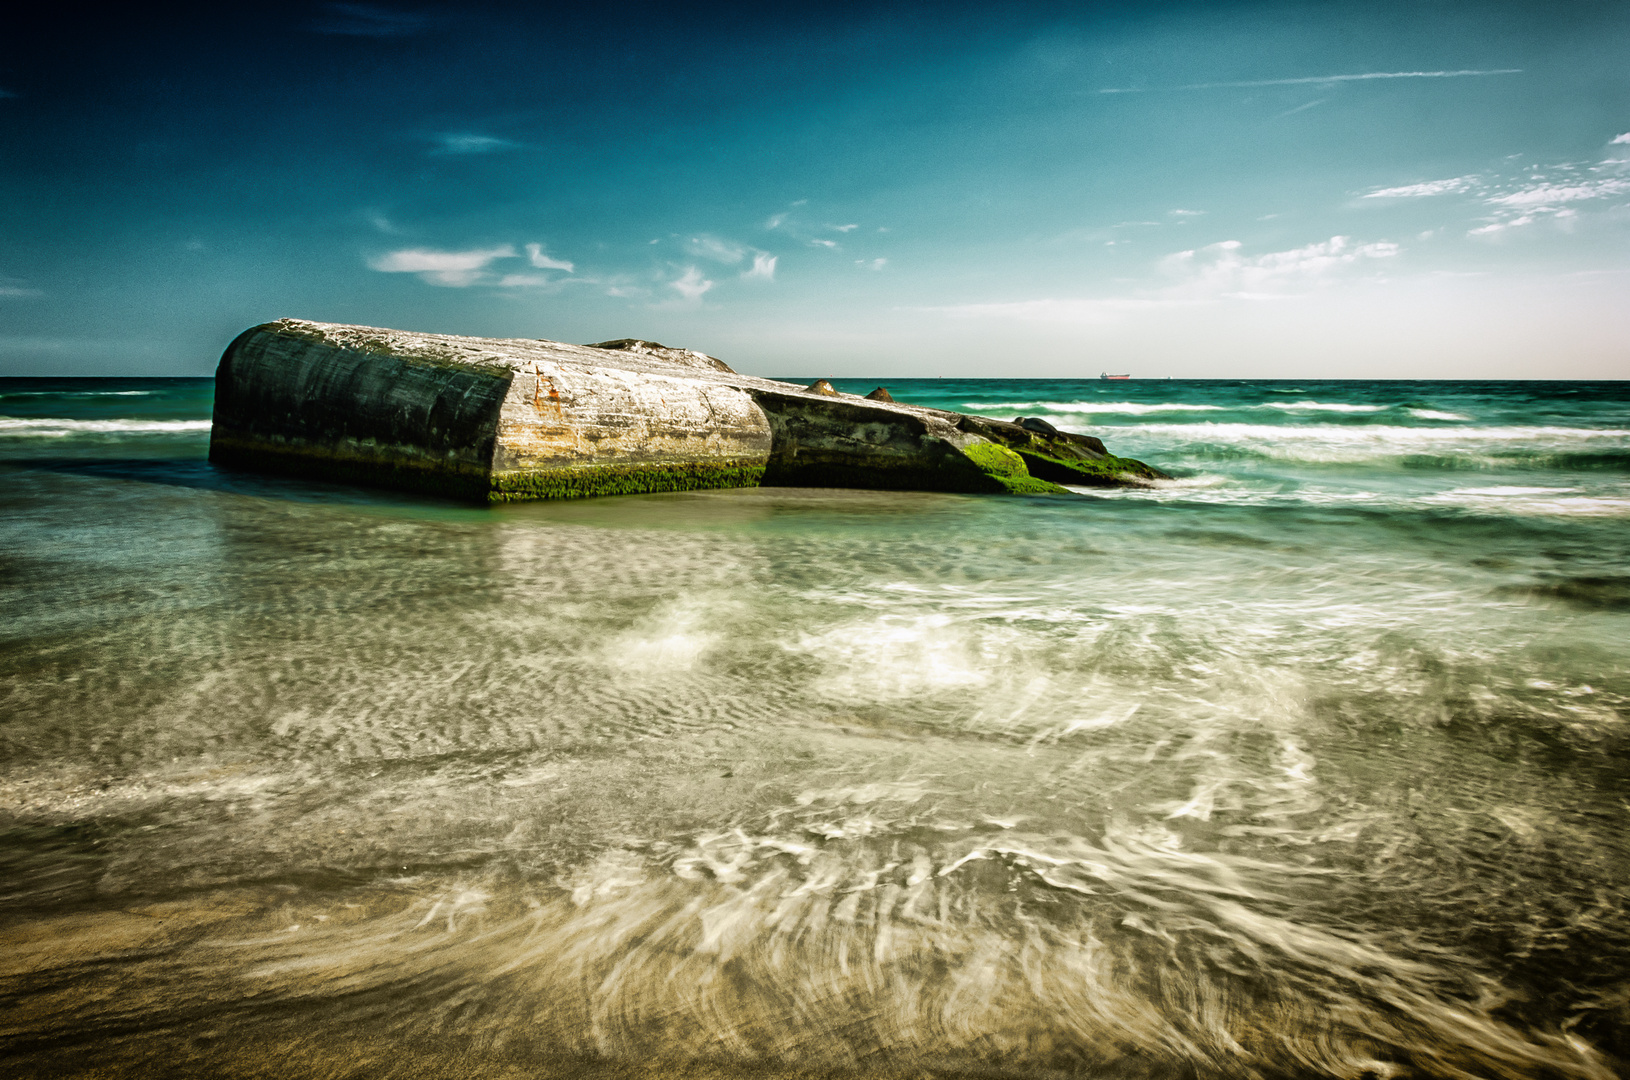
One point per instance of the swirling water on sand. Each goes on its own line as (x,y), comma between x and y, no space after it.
(1309,762)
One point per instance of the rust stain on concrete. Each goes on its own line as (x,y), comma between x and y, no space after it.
(546,399)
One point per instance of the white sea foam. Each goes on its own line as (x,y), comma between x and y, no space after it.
(672,638)
(895,656)
(1222,491)
(1433,414)
(1128,408)
(1527,501)
(1138,408)
(1504,500)
(56,427)
(1446,435)
(1401,440)
(1320,406)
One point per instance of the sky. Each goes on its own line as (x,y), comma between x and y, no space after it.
(1197,190)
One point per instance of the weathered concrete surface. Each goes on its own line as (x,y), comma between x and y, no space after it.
(482,418)
(837,440)
(495,419)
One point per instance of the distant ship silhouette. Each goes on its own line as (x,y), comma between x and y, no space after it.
(1107,375)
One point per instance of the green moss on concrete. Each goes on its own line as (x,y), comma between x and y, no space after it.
(1029,485)
(995,460)
(1064,458)
(1108,471)
(1008,469)
(957,473)
(583,481)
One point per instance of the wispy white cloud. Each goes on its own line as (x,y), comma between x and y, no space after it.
(1301,108)
(1497,227)
(383,224)
(1185,213)
(1222,270)
(461,269)
(536,256)
(712,247)
(466,142)
(872,264)
(1429,187)
(1618,140)
(1549,194)
(794,226)
(1217,272)
(455,269)
(369,20)
(1317,79)
(1539,192)
(763,267)
(1559,194)
(17,287)
(691,285)
(776,221)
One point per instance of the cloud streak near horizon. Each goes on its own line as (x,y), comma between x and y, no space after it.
(1207,275)
(1313,80)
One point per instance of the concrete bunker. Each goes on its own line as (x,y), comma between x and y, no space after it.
(490,419)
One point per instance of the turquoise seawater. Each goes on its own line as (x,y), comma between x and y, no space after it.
(1312,761)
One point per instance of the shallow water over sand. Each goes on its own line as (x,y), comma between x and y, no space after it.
(1309,763)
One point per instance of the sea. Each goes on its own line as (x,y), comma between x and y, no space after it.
(1312,761)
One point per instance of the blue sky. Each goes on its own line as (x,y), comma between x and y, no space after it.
(1412,190)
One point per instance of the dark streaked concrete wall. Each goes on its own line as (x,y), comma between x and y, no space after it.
(289,402)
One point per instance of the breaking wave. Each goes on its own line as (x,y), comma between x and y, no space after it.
(76,393)
(56,428)
(1434,414)
(1521,447)
(1320,406)
(1138,408)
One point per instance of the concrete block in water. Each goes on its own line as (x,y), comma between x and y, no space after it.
(482,418)
(495,419)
